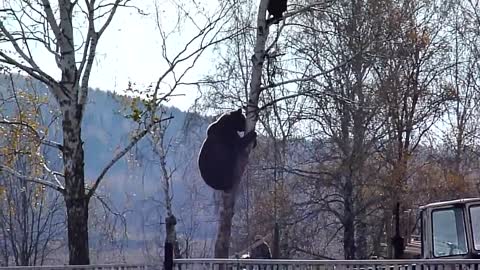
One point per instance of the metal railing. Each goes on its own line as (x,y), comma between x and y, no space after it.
(254,264)
(88,267)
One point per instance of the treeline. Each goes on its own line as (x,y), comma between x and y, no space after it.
(126,214)
(365,104)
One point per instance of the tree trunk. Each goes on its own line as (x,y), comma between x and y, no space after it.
(170,223)
(227,210)
(388,214)
(222,244)
(276,241)
(172,250)
(362,243)
(76,198)
(378,237)
(77,218)
(349,239)
(349,222)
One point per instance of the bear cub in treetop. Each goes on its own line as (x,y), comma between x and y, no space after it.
(276,8)
(221,149)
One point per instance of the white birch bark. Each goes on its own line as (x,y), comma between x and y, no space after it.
(227,209)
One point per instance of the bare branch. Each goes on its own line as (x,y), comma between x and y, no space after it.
(37,180)
(54,174)
(19,50)
(110,17)
(35,132)
(36,73)
(89,50)
(51,19)
(120,154)
(202,34)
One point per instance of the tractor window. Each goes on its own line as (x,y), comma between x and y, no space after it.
(449,237)
(475,219)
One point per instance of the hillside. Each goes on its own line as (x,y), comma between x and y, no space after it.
(133,187)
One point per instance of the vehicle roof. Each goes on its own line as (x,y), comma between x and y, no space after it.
(445,203)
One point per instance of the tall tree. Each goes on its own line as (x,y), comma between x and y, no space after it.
(60,24)
(342,113)
(409,72)
(244,73)
(461,89)
(74,59)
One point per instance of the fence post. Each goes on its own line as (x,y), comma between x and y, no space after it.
(170,239)
(168,256)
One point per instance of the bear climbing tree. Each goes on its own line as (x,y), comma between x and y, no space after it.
(221,149)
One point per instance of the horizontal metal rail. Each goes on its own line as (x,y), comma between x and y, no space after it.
(327,262)
(260,264)
(88,267)
(256,264)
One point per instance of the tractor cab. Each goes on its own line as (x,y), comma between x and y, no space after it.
(450,229)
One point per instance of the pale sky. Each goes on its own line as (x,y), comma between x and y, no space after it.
(130,50)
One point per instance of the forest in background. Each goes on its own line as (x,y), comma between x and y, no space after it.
(362,104)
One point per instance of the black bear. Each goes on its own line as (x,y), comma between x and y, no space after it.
(276,9)
(221,149)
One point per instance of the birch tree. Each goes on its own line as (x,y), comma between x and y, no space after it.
(56,27)
(51,25)
(249,82)
(161,147)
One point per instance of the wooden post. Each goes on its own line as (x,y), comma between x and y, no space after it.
(397,240)
(276,242)
(168,259)
(170,222)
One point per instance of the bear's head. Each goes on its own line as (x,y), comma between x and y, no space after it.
(238,120)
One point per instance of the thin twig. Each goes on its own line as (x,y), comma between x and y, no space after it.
(119,155)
